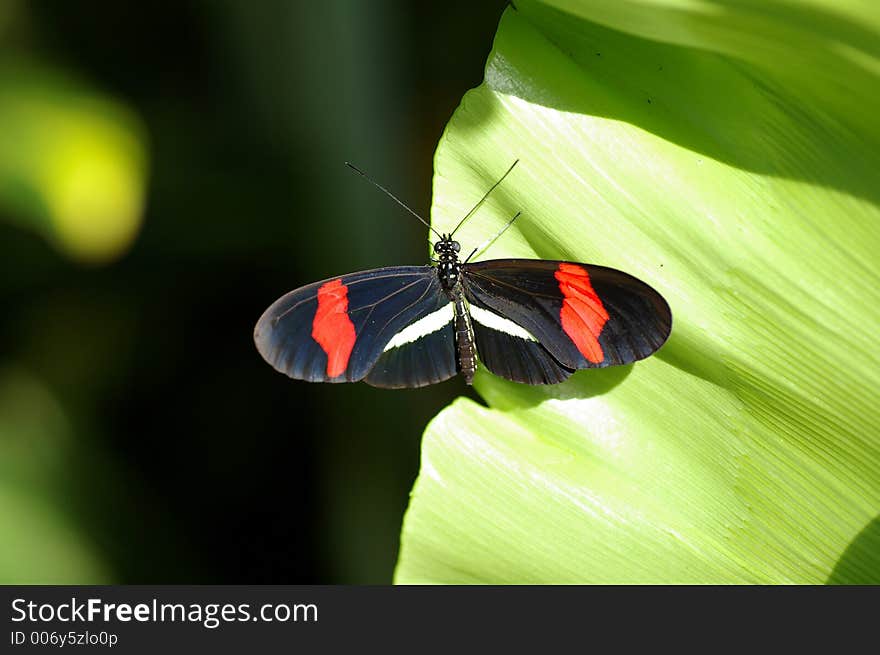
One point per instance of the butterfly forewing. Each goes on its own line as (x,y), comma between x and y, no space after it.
(584,316)
(339,330)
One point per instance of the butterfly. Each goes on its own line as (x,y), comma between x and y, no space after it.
(528,320)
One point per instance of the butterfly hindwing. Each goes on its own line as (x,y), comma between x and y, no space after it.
(422,353)
(339,329)
(511,352)
(584,316)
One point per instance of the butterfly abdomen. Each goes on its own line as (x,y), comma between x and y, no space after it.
(464,339)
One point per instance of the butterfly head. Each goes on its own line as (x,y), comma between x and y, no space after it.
(446,249)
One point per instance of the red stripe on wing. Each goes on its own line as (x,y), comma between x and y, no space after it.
(332,328)
(583,315)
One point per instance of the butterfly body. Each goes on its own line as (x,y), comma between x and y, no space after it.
(449,272)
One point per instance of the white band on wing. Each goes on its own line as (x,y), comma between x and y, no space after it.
(494,321)
(422,327)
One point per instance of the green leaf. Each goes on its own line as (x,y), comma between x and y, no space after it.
(727,154)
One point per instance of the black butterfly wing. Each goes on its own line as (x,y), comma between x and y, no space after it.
(422,353)
(517,357)
(574,315)
(387,326)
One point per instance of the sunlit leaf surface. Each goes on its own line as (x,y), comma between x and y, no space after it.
(727,154)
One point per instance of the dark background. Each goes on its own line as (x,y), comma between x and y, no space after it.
(190,459)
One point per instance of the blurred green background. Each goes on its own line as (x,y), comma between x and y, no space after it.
(166,172)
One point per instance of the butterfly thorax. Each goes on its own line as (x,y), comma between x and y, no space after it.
(448,266)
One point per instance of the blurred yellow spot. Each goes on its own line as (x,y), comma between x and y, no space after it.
(72,163)
(94,191)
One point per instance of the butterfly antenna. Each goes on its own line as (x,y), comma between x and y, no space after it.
(488,242)
(392,196)
(483,199)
